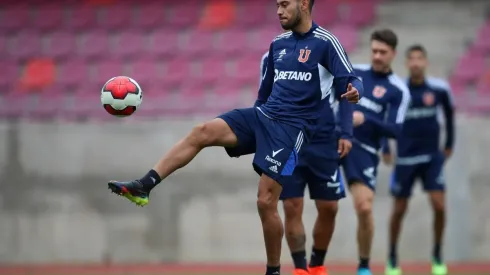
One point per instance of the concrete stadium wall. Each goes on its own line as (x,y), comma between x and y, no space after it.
(55,206)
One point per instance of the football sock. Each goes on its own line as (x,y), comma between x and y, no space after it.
(436,253)
(317,257)
(151,179)
(273,270)
(299,259)
(363,262)
(393,257)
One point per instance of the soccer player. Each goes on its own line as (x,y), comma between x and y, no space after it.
(277,128)
(419,155)
(380,113)
(318,168)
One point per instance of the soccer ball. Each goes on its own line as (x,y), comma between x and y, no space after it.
(121,96)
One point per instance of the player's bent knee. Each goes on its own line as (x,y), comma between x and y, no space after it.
(268,194)
(327,208)
(364,207)
(212,133)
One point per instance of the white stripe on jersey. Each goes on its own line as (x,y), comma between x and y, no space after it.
(362,67)
(338,47)
(262,62)
(283,35)
(396,81)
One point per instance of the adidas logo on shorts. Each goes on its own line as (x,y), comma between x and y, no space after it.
(273,168)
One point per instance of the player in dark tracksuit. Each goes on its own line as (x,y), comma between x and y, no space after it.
(419,155)
(314,170)
(279,127)
(379,114)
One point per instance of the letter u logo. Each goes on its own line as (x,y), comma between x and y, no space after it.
(304,55)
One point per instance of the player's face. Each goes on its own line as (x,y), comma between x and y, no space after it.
(289,13)
(416,63)
(381,56)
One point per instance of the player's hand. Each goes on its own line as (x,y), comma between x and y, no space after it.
(358,118)
(344,147)
(352,94)
(448,153)
(387,158)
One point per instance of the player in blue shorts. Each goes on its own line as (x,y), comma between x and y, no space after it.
(279,127)
(317,168)
(419,155)
(379,114)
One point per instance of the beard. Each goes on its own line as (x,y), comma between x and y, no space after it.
(292,23)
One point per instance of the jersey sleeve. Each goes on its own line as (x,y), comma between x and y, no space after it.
(448,108)
(344,121)
(338,64)
(398,106)
(267,78)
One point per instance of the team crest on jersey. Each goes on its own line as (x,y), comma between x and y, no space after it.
(304,54)
(428,98)
(379,91)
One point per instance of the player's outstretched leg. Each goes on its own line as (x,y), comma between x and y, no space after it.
(295,233)
(267,200)
(438,205)
(400,206)
(363,203)
(322,235)
(213,133)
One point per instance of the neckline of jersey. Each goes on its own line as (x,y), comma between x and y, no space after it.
(306,34)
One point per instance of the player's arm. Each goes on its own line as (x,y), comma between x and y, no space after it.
(338,64)
(345,119)
(448,108)
(392,126)
(267,78)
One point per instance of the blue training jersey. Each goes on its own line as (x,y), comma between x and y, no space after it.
(384,105)
(343,109)
(421,131)
(300,72)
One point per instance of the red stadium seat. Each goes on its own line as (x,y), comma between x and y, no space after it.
(145,71)
(164,43)
(469,68)
(252,14)
(182,16)
(107,69)
(212,71)
(198,43)
(60,45)
(231,42)
(176,72)
(247,70)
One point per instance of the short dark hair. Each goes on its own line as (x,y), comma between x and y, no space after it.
(386,36)
(416,48)
(312,2)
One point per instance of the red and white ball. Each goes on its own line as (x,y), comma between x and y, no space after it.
(121,96)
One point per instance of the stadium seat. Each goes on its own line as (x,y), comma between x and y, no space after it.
(259,40)
(15,105)
(347,35)
(231,42)
(469,68)
(25,45)
(37,74)
(182,16)
(83,104)
(212,70)
(326,13)
(145,71)
(14,18)
(93,45)
(198,44)
(252,14)
(176,72)
(47,106)
(359,14)
(117,17)
(164,43)
(247,70)
(72,73)
(10,73)
(129,44)
(60,45)
(149,16)
(81,18)
(107,69)
(48,17)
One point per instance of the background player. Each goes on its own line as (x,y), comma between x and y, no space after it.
(419,156)
(318,168)
(278,128)
(380,113)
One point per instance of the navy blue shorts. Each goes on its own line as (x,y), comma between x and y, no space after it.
(276,144)
(317,170)
(361,165)
(430,173)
